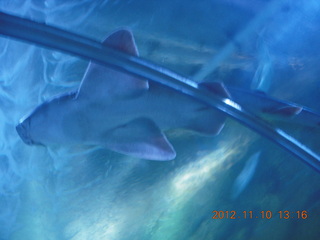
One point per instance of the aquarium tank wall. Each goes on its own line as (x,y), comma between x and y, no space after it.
(201,122)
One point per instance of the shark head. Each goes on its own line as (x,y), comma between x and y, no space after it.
(37,128)
(29,127)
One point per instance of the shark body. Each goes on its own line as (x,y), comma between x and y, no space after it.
(118,111)
(129,115)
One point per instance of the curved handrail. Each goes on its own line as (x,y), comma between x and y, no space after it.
(51,37)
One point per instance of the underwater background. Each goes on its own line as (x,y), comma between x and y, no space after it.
(76,193)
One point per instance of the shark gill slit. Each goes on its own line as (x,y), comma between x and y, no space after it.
(55,38)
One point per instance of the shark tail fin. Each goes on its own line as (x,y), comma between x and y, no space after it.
(206,120)
(286,111)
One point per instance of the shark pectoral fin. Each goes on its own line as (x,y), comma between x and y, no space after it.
(140,138)
(102,83)
(287,111)
(217,88)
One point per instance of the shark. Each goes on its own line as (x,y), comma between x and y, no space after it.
(120,112)
(130,114)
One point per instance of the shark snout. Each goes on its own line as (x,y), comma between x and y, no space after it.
(22,129)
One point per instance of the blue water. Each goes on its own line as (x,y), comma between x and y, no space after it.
(77,194)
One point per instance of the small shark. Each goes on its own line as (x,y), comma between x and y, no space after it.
(245,176)
(130,115)
(120,112)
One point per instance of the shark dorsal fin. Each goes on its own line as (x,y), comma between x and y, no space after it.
(217,88)
(122,40)
(101,83)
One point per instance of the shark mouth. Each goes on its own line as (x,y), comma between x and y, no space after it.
(24,133)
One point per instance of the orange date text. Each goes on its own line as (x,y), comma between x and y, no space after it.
(285,214)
